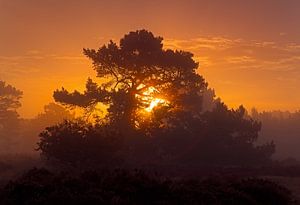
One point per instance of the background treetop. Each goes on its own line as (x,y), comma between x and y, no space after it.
(9,97)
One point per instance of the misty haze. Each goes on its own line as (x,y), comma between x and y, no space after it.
(149,102)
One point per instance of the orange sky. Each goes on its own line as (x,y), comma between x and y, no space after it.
(249,52)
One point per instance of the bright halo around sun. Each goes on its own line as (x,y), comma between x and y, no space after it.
(155,102)
(148,97)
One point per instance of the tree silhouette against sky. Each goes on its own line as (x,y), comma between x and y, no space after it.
(156,112)
(9,103)
(138,75)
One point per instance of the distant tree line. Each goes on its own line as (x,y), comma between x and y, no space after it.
(284,129)
(18,135)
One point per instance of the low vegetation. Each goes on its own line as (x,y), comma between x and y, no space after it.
(40,186)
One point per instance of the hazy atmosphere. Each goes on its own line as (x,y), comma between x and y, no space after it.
(124,102)
(249,51)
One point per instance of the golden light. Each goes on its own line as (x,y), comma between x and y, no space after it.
(155,102)
(149,98)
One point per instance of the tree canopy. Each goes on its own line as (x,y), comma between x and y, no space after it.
(9,99)
(136,72)
(9,103)
(160,110)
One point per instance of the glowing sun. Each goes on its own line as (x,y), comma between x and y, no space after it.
(149,98)
(155,102)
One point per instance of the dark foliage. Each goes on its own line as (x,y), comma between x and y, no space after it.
(220,137)
(131,68)
(39,186)
(31,128)
(9,118)
(283,128)
(178,132)
(76,143)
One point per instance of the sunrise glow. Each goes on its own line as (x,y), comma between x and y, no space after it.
(133,99)
(155,102)
(149,98)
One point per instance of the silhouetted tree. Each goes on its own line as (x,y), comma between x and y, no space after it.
(209,100)
(220,136)
(234,136)
(138,63)
(284,128)
(54,113)
(31,128)
(180,131)
(9,103)
(79,144)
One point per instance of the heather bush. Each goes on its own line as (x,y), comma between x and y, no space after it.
(40,186)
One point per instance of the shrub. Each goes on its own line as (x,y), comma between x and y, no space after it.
(39,186)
